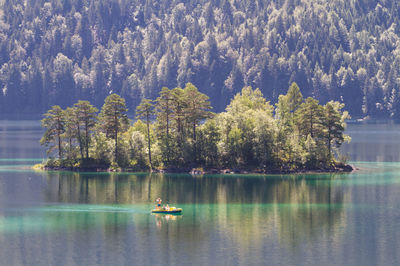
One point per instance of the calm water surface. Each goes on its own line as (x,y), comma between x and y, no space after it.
(61,218)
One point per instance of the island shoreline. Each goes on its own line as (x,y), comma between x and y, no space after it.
(341,168)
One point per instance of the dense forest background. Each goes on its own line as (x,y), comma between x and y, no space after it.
(59,51)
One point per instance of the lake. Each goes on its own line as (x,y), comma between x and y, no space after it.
(63,218)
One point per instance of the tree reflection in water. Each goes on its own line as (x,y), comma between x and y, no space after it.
(249,209)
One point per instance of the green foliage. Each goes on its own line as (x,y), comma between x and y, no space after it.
(265,131)
(146,110)
(286,107)
(249,99)
(137,149)
(197,108)
(209,137)
(54,123)
(102,148)
(163,124)
(52,163)
(309,117)
(334,124)
(86,116)
(334,50)
(294,98)
(185,134)
(71,133)
(113,119)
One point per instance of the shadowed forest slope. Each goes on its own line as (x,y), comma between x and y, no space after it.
(55,52)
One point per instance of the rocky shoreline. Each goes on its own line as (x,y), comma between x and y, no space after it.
(340,168)
(200,171)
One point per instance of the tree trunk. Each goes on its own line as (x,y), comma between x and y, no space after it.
(70,152)
(148,137)
(59,145)
(311,125)
(329,142)
(87,139)
(59,139)
(168,154)
(116,145)
(80,140)
(70,146)
(194,142)
(116,137)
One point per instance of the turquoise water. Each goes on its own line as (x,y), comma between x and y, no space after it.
(62,218)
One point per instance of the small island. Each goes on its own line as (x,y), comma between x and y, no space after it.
(178,133)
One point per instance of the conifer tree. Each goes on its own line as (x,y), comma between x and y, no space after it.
(178,111)
(86,121)
(177,126)
(197,109)
(309,117)
(113,119)
(288,104)
(71,131)
(164,110)
(54,123)
(285,110)
(146,110)
(334,125)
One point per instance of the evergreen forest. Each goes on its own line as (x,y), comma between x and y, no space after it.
(178,132)
(56,52)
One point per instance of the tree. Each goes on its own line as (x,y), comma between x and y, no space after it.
(234,144)
(63,80)
(197,109)
(248,99)
(178,106)
(288,104)
(284,112)
(164,110)
(86,121)
(146,110)
(71,131)
(209,138)
(113,119)
(246,135)
(239,123)
(309,117)
(334,124)
(54,123)
(137,147)
(264,141)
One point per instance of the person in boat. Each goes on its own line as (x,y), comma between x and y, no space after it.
(158,205)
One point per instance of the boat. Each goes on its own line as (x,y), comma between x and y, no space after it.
(170,210)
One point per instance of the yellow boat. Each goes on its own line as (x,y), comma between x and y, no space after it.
(170,210)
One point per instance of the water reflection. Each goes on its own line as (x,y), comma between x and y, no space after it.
(112,188)
(248,209)
(165,218)
(104,219)
(373,142)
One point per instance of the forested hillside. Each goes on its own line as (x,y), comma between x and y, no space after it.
(59,51)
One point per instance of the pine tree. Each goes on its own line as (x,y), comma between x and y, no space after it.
(197,109)
(178,112)
(113,119)
(146,110)
(334,125)
(309,117)
(287,105)
(164,110)
(71,131)
(87,117)
(54,123)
